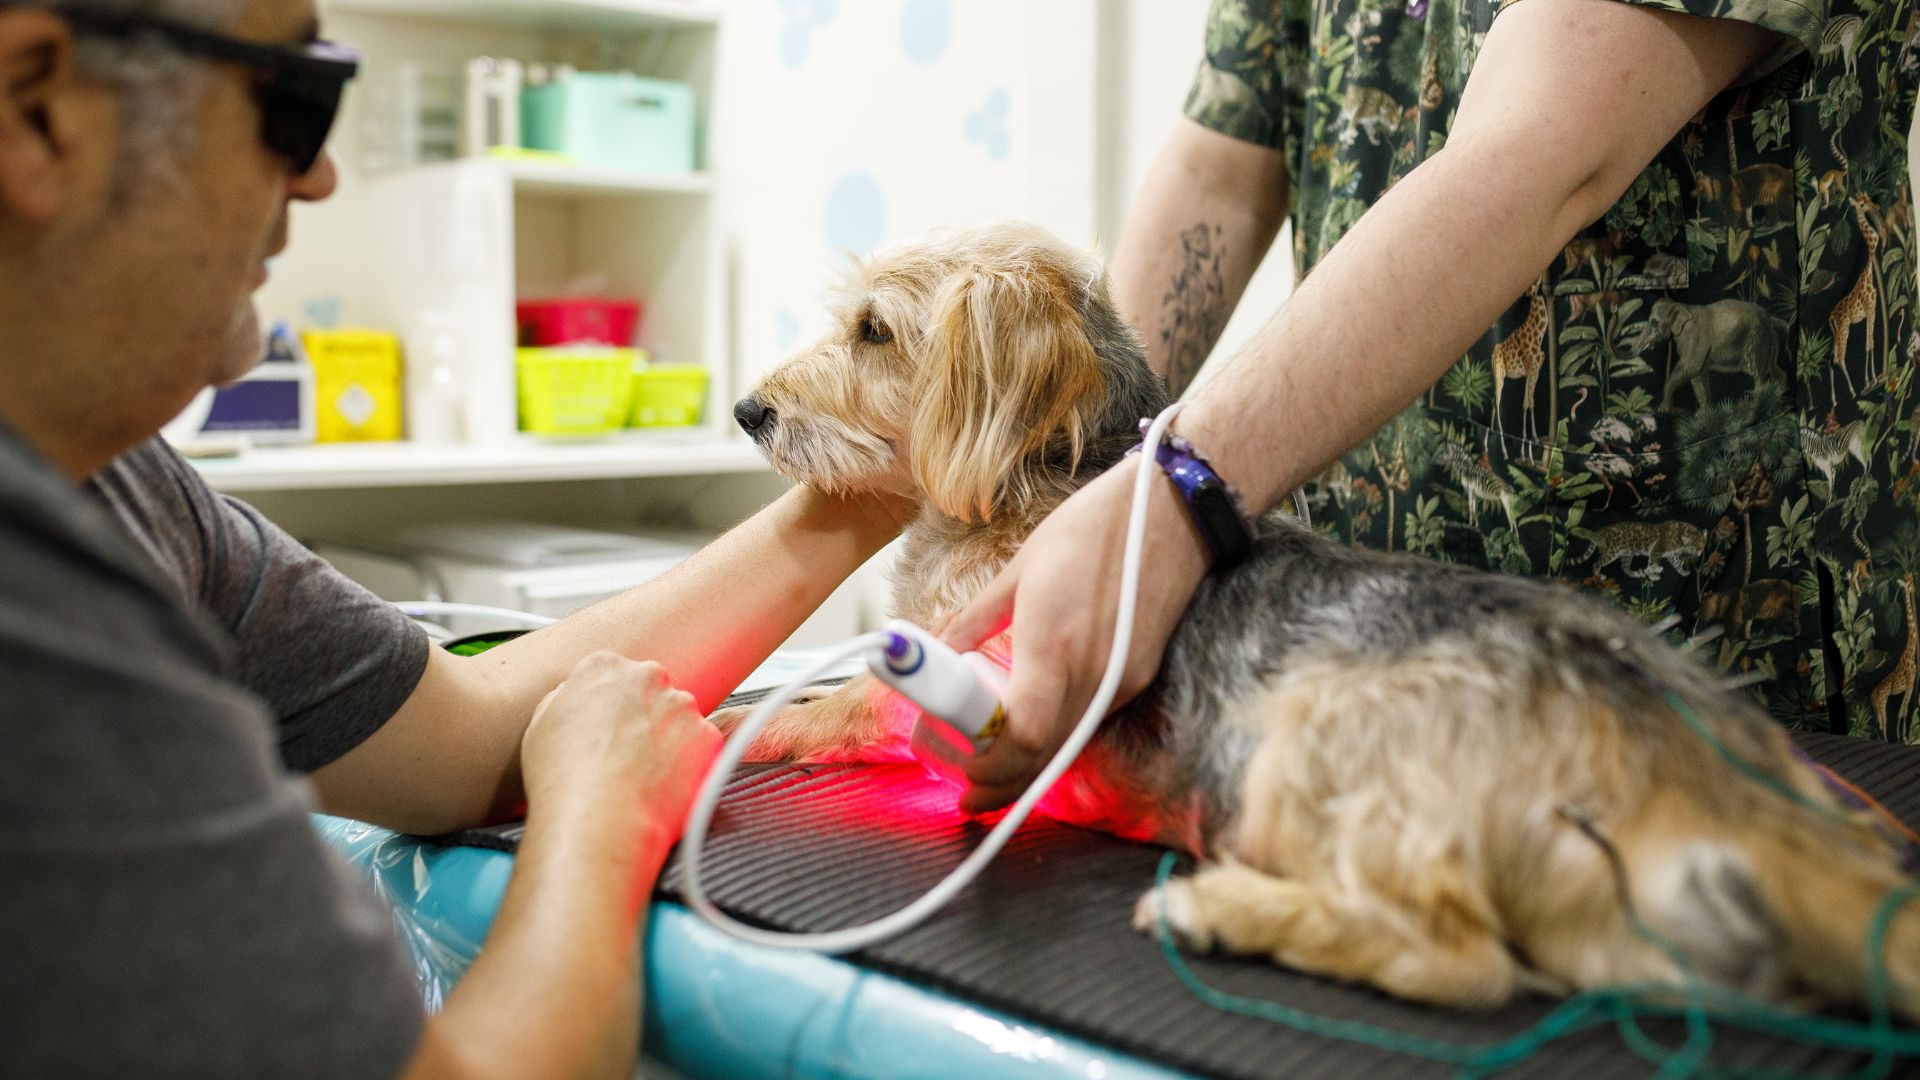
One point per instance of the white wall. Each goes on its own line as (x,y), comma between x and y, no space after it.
(843,126)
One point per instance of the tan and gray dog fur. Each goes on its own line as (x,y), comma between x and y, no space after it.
(1389,765)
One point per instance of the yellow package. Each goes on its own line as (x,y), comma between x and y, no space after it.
(357,383)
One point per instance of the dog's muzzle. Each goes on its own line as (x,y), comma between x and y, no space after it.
(753,416)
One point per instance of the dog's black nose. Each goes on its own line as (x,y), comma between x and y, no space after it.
(751,414)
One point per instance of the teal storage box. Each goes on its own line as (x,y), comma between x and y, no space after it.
(612,120)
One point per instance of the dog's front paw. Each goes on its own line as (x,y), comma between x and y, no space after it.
(729,718)
(733,716)
(1182,916)
(812,694)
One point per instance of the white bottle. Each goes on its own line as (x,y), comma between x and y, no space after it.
(439,379)
(492,114)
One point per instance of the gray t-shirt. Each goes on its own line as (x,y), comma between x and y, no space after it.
(332,660)
(166,909)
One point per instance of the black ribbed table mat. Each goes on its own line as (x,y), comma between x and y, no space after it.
(1045,935)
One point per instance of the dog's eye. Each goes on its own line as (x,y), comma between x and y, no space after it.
(875,331)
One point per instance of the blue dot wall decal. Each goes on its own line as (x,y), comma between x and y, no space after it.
(856,214)
(988,126)
(323,311)
(786,328)
(795,41)
(803,18)
(926,28)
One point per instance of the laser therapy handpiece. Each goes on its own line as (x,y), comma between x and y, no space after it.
(962,692)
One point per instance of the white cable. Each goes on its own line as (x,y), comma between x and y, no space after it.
(428,609)
(857,937)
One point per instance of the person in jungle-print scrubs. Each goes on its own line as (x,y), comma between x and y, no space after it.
(1704,409)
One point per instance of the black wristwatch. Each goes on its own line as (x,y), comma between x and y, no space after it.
(1214,505)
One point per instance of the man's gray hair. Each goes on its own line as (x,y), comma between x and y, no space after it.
(158,85)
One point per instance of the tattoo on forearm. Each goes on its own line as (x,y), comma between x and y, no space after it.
(1192,314)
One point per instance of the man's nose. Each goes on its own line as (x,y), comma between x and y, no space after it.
(316,183)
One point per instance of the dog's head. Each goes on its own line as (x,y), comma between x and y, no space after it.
(976,370)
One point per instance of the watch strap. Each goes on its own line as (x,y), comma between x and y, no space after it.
(1218,512)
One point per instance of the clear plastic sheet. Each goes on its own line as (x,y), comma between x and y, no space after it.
(717,1009)
(442,899)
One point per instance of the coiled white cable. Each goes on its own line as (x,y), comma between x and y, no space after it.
(858,937)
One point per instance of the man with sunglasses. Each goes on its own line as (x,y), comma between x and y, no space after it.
(171,664)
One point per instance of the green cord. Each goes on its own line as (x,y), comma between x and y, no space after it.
(1625,1005)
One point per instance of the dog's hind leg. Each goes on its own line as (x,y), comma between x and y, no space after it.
(859,721)
(1234,908)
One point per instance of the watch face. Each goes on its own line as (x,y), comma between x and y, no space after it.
(1212,503)
(1226,533)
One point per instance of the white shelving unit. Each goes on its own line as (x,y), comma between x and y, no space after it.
(399,465)
(615,16)
(464,239)
(467,238)
(536,178)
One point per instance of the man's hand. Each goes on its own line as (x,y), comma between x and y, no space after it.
(611,762)
(1060,594)
(617,729)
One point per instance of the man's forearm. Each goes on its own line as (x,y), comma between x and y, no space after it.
(712,619)
(1339,359)
(1203,220)
(450,758)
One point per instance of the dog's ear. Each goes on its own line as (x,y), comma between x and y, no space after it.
(1006,389)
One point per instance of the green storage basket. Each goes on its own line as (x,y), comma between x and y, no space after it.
(573,391)
(668,395)
(612,120)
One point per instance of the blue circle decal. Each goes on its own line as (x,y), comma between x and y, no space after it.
(926,28)
(856,214)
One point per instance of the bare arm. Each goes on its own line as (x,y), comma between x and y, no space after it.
(450,757)
(1205,217)
(1569,101)
(613,761)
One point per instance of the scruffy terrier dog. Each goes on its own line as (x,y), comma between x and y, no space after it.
(1398,771)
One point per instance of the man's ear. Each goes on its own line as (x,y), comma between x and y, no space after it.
(47,115)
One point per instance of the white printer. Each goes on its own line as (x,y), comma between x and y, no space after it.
(541,569)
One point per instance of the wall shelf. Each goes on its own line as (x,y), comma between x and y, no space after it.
(367,465)
(602,16)
(540,177)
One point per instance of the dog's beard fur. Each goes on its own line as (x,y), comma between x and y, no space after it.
(1329,722)
(827,454)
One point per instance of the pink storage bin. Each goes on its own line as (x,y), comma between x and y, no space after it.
(577,320)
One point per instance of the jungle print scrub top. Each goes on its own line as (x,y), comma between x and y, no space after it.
(1705,408)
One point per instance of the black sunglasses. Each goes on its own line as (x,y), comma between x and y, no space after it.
(298,86)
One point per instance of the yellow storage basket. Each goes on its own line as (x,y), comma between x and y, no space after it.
(574,391)
(668,395)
